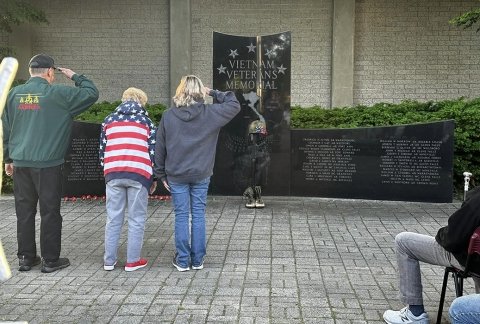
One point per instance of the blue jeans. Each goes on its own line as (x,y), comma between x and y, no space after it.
(120,193)
(465,309)
(190,198)
(411,248)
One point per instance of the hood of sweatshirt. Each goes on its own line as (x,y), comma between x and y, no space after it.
(130,108)
(187,113)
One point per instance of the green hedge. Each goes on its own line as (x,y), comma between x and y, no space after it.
(466,114)
(99,111)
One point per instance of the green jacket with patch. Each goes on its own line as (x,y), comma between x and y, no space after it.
(38,117)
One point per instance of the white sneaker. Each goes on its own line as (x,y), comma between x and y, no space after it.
(199,267)
(404,316)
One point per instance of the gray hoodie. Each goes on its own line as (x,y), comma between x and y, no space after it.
(187,138)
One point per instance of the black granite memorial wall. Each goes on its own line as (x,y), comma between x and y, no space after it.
(404,162)
(83,174)
(257,69)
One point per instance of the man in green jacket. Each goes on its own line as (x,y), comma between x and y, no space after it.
(37,123)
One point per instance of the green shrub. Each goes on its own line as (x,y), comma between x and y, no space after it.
(99,111)
(7,183)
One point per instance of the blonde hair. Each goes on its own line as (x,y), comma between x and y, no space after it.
(136,95)
(189,91)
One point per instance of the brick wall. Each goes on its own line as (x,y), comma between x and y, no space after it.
(309,22)
(117,44)
(405,49)
(3,39)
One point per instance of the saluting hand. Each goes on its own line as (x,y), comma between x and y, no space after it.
(67,72)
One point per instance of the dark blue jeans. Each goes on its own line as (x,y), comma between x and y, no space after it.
(190,198)
(44,186)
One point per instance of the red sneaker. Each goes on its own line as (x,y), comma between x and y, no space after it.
(132,266)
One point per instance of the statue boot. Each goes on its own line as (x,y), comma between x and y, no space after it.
(249,196)
(258,197)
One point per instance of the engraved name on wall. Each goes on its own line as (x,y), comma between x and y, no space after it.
(329,159)
(84,160)
(410,162)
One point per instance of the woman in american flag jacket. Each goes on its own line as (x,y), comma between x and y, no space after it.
(127,143)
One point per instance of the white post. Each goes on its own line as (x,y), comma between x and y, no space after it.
(467,176)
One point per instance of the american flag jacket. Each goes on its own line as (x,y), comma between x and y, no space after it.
(127,143)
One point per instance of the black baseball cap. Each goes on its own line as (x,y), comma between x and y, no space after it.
(41,61)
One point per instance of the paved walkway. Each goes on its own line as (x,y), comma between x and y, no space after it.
(299,260)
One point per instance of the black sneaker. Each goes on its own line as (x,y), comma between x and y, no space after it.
(51,266)
(176,265)
(25,264)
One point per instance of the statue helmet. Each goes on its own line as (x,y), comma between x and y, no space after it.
(257,127)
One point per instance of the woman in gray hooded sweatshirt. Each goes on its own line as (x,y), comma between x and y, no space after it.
(184,157)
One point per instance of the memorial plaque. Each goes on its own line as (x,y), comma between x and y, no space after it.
(405,162)
(83,174)
(257,69)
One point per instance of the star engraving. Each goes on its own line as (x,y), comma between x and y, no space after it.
(221,69)
(233,53)
(251,48)
(281,69)
(269,53)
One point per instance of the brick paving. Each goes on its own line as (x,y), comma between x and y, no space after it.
(299,260)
